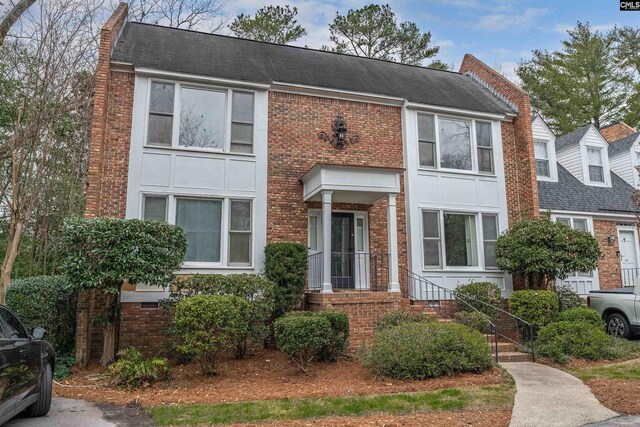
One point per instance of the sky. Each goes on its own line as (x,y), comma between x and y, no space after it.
(499,32)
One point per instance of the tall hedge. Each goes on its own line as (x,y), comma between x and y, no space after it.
(49,302)
(286,266)
(536,307)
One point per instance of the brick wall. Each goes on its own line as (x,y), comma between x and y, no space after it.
(363,309)
(616,131)
(294,148)
(609,263)
(143,329)
(108,165)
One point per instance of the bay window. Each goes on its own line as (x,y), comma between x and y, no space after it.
(594,160)
(450,239)
(204,117)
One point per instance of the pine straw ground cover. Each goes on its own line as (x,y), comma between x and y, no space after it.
(268,375)
(616,385)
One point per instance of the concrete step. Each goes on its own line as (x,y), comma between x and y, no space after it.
(513,356)
(504,347)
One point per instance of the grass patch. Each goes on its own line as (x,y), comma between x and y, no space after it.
(490,397)
(629,370)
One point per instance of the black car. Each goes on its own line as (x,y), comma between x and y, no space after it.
(26,369)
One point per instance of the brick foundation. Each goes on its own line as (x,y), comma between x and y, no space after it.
(144,329)
(363,308)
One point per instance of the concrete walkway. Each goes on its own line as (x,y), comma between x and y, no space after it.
(549,397)
(66,413)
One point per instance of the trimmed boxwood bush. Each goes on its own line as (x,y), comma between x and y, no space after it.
(476,293)
(567,298)
(419,350)
(536,307)
(582,314)
(396,318)
(339,340)
(255,289)
(562,340)
(49,302)
(286,265)
(132,370)
(209,325)
(474,320)
(303,337)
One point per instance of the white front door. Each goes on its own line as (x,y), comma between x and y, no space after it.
(628,242)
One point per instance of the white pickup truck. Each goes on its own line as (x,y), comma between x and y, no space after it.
(620,309)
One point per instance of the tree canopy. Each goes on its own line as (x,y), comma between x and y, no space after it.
(373,32)
(590,80)
(273,24)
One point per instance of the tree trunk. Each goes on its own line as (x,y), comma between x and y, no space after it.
(109,333)
(13,247)
(12,17)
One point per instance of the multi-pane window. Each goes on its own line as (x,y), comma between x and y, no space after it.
(451,239)
(431,238)
(201,219)
(541,152)
(489,238)
(240,232)
(577,224)
(154,208)
(427,140)
(460,241)
(455,144)
(485,147)
(596,169)
(202,119)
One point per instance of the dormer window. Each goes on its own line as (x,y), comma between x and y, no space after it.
(596,168)
(541,150)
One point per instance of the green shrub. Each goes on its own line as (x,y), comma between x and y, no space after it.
(49,302)
(286,265)
(477,293)
(562,340)
(622,349)
(209,325)
(536,307)
(567,298)
(419,350)
(255,289)
(474,320)
(339,340)
(396,318)
(64,363)
(582,314)
(132,370)
(303,337)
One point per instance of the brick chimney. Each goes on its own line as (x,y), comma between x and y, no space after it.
(617,130)
(517,139)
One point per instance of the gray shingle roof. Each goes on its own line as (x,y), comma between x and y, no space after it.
(570,194)
(622,144)
(571,137)
(170,49)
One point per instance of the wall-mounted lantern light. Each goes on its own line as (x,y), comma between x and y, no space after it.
(339,139)
(611,240)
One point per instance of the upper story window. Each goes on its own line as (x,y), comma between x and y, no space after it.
(182,115)
(594,161)
(541,151)
(456,144)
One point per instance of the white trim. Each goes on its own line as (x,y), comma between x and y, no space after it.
(459,111)
(152,72)
(596,215)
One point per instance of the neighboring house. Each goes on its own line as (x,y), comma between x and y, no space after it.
(587,182)
(222,136)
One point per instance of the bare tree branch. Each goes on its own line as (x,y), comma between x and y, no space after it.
(12,17)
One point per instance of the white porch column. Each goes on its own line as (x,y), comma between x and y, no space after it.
(326,243)
(392,229)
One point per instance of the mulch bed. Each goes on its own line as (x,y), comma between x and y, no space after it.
(618,395)
(436,419)
(268,375)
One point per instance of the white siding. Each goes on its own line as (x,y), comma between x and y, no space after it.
(541,131)
(571,159)
(593,138)
(621,164)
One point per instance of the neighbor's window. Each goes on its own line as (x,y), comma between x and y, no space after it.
(431,238)
(154,208)
(460,240)
(455,144)
(485,147)
(541,152)
(160,114)
(596,170)
(242,122)
(427,140)
(490,236)
(240,232)
(201,221)
(202,118)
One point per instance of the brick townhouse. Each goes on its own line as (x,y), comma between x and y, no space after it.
(385,171)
